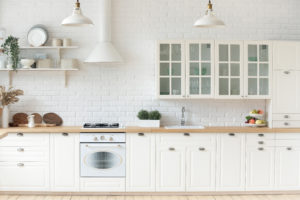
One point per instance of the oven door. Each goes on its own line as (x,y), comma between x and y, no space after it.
(102,159)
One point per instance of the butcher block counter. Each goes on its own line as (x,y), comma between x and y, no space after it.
(77,129)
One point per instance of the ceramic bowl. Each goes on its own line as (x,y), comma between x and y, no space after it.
(26,63)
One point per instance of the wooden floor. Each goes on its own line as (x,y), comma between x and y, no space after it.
(237,197)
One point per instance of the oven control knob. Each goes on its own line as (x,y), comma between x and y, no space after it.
(111,139)
(95,139)
(102,138)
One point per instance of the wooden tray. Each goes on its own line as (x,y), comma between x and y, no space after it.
(38,125)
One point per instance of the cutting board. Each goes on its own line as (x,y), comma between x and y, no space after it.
(37,125)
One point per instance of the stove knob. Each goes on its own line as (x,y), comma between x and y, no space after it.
(102,138)
(111,139)
(95,139)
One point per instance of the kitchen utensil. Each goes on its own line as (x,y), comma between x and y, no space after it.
(26,63)
(67,42)
(38,119)
(31,123)
(37,35)
(44,63)
(20,118)
(52,118)
(57,42)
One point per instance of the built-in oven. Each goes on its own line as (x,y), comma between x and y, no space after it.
(102,154)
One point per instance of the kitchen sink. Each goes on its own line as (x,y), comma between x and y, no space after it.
(185,127)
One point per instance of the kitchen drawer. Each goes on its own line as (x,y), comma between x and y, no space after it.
(185,138)
(24,154)
(287,136)
(286,117)
(260,136)
(267,143)
(24,176)
(25,139)
(287,143)
(286,124)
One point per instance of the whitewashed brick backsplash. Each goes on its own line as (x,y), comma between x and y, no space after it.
(116,92)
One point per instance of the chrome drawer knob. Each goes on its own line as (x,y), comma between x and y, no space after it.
(286,116)
(289,148)
(286,123)
(201,149)
(65,134)
(20,134)
(20,164)
(172,149)
(286,72)
(186,134)
(260,149)
(231,134)
(261,135)
(141,134)
(260,142)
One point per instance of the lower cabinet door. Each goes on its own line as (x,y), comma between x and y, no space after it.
(140,166)
(201,168)
(64,161)
(231,162)
(287,168)
(260,168)
(25,176)
(170,168)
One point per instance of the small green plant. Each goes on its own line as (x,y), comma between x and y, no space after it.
(154,115)
(11,49)
(143,115)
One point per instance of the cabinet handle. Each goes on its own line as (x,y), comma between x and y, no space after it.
(231,134)
(20,134)
(20,164)
(286,123)
(172,149)
(286,116)
(186,134)
(260,149)
(286,72)
(141,134)
(65,134)
(20,149)
(289,149)
(260,142)
(201,149)
(261,135)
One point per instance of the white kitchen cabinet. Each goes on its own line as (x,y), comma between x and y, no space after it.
(24,176)
(229,69)
(102,184)
(260,168)
(64,161)
(170,166)
(287,168)
(171,69)
(231,162)
(200,69)
(140,166)
(201,167)
(257,69)
(286,55)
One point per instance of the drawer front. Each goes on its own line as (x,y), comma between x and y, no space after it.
(286,124)
(286,117)
(288,136)
(25,139)
(267,143)
(24,176)
(260,136)
(38,154)
(287,143)
(185,138)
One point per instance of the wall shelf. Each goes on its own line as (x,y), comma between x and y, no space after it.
(41,69)
(49,47)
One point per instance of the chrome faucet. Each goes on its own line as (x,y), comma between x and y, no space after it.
(182,122)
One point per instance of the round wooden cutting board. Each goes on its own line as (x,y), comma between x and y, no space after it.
(37,118)
(20,118)
(52,118)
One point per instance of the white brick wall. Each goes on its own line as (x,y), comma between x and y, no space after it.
(115,92)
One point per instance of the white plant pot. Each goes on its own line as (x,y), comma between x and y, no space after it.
(149,123)
(5,117)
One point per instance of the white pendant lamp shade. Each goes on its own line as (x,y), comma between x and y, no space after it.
(77,18)
(209,19)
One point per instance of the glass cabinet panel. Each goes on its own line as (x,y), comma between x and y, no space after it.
(257,79)
(229,69)
(200,69)
(170,69)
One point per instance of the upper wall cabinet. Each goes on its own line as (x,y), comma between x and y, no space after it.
(200,69)
(286,55)
(171,69)
(229,70)
(257,73)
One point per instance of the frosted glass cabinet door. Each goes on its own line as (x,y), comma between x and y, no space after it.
(171,73)
(258,64)
(200,69)
(229,69)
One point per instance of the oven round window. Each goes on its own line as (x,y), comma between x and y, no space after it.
(103,160)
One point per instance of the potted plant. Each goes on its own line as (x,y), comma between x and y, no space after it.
(8,97)
(11,49)
(149,119)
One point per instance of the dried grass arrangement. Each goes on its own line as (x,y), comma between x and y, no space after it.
(9,96)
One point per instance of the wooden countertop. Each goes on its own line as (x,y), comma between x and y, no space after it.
(77,129)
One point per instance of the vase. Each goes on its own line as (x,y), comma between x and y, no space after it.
(5,117)
(9,64)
